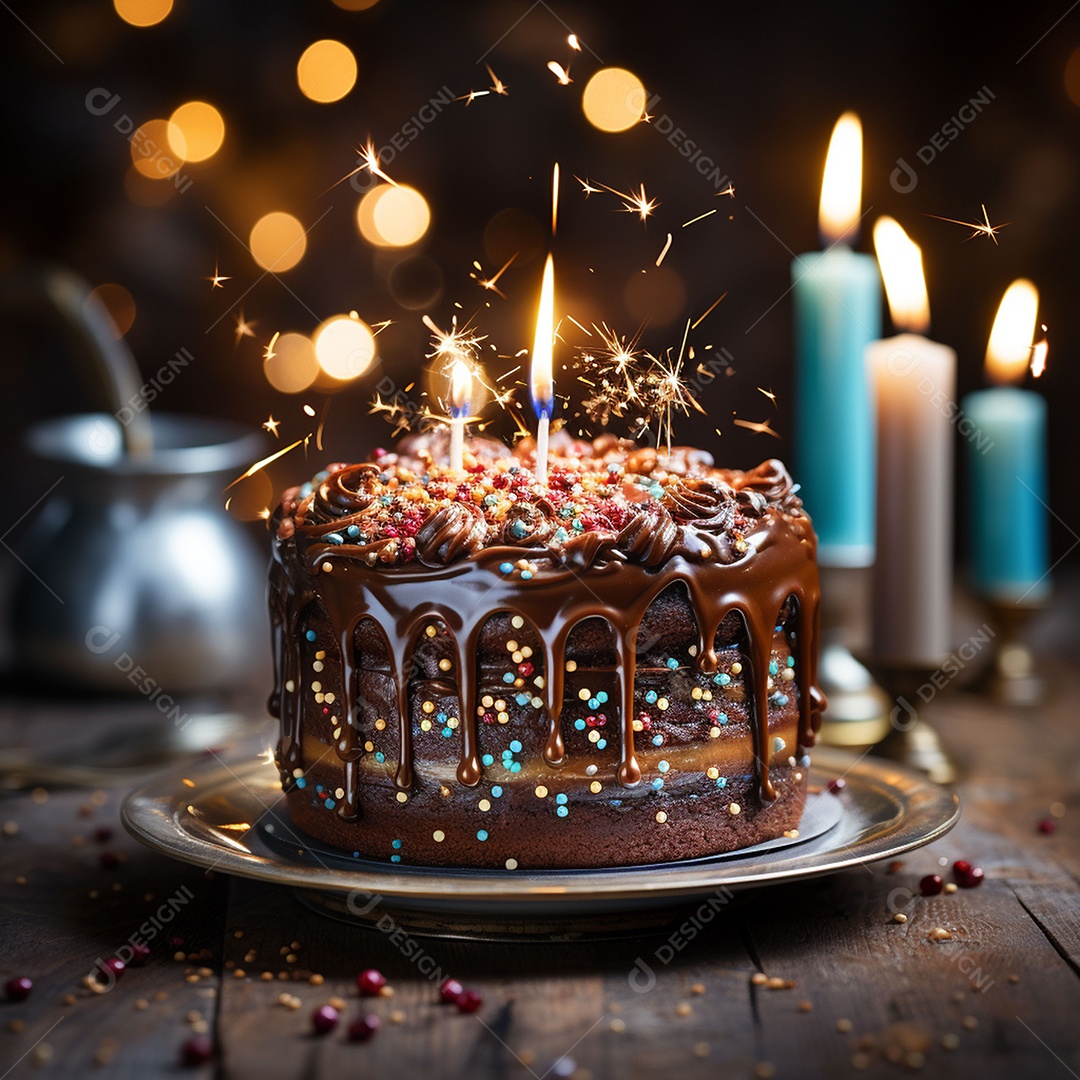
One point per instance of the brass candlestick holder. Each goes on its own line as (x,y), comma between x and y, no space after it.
(1014,678)
(911,739)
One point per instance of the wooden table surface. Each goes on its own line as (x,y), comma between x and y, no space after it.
(870,996)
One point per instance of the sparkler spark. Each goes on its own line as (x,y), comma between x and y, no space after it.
(269,354)
(471,96)
(660,257)
(759,428)
(729,190)
(244,328)
(272,425)
(266,461)
(708,311)
(768,393)
(491,283)
(634,202)
(979,228)
(560,73)
(216,278)
(497,85)
(573,42)
(554,197)
(700,217)
(587,188)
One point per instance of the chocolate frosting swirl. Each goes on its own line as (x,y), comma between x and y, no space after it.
(649,536)
(769,482)
(347,490)
(455,530)
(528,524)
(707,504)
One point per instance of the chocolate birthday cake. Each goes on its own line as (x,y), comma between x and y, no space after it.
(617,668)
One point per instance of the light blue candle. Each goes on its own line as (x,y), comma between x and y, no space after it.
(1006,461)
(837,314)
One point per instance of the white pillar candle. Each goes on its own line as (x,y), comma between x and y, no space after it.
(914,388)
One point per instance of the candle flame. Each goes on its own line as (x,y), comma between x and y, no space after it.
(900,259)
(1009,350)
(461,378)
(543,390)
(1038,356)
(841,187)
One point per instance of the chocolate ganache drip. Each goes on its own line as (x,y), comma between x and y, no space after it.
(404,548)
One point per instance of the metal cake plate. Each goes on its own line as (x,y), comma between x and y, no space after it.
(227,813)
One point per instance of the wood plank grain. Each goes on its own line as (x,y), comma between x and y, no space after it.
(63,911)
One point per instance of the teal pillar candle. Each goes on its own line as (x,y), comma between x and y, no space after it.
(1005,453)
(837,299)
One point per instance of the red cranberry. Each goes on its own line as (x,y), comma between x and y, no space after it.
(468,1001)
(140,953)
(18,989)
(931,885)
(114,966)
(361,1029)
(324,1019)
(966,875)
(370,982)
(1047,825)
(837,785)
(103,834)
(449,990)
(198,1050)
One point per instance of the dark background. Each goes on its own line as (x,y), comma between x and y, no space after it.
(757,86)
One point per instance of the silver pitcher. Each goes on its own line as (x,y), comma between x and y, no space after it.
(132,576)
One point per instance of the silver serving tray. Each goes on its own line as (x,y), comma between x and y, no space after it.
(226,812)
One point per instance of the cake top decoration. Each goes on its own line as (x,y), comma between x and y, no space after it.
(605,500)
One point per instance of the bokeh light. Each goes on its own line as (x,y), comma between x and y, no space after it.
(292,365)
(201,129)
(143,12)
(614,99)
(277,241)
(344,347)
(152,149)
(355,5)
(119,303)
(326,71)
(390,216)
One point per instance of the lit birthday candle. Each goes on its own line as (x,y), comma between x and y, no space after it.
(543,386)
(837,314)
(460,400)
(913,381)
(1006,461)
